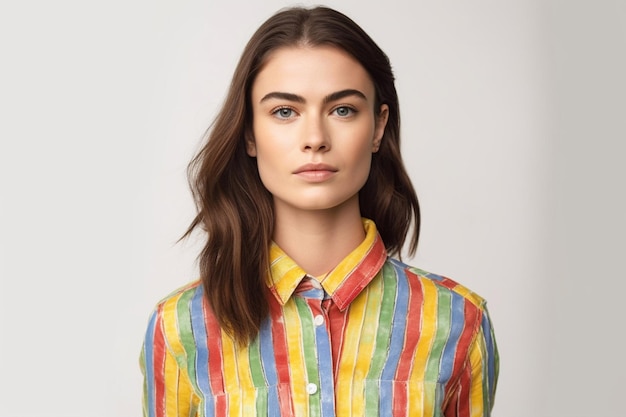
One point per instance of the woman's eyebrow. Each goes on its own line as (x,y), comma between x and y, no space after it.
(299,99)
(343,94)
(283,96)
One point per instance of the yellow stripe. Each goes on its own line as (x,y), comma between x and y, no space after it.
(419,402)
(231,379)
(349,361)
(373,294)
(476,299)
(288,283)
(285,273)
(174,377)
(297,367)
(170,325)
(275,253)
(477,358)
(185,396)
(171,382)
(246,385)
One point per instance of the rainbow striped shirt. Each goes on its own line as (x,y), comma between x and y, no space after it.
(374,338)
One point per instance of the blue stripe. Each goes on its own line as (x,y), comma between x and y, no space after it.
(310,293)
(457,323)
(268,361)
(149,363)
(202,357)
(489,344)
(325,360)
(273,405)
(398,331)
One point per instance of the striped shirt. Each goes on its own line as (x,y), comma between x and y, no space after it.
(374,338)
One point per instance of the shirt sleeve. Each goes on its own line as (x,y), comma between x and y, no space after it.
(167,391)
(475,393)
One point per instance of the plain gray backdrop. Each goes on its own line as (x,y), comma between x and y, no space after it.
(513,122)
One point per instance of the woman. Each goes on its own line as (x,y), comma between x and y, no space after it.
(303,195)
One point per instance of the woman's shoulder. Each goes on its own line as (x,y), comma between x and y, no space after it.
(443,283)
(184,292)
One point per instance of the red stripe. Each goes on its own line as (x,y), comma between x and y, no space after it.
(338,322)
(400,402)
(221,405)
(471,321)
(214,345)
(416,301)
(362,274)
(462,403)
(448,283)
(281,357)
(279,340)
(159,365)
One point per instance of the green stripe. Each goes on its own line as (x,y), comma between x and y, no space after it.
(261,401)
(185,333)
(258,377)
(309,350)
(444,314)
(383,338)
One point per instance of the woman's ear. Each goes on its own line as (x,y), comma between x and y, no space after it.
(251,148)
(250,145)
(379,129)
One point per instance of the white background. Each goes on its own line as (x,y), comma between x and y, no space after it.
(513,122)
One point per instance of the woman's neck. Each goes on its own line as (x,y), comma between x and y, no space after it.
(318,240)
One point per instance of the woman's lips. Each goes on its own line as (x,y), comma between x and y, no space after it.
(315,172)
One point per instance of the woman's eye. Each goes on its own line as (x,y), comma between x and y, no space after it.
(284,113)
(344,111)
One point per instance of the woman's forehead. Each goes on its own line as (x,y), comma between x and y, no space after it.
(312,71)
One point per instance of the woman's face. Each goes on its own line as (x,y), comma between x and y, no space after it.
(315,127)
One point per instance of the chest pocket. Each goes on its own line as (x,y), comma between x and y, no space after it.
(394,399)
(271,401)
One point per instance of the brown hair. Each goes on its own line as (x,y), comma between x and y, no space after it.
(235,209)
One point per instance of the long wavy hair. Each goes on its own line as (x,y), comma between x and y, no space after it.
(235,209)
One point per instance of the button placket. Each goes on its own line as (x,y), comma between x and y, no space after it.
(320,387)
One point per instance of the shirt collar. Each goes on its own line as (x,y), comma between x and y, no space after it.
(344,282)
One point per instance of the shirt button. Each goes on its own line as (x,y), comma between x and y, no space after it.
(311,388)
(318,320)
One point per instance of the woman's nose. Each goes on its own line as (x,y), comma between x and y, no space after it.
(316,136)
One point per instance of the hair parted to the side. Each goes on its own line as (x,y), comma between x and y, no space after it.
(235,209)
